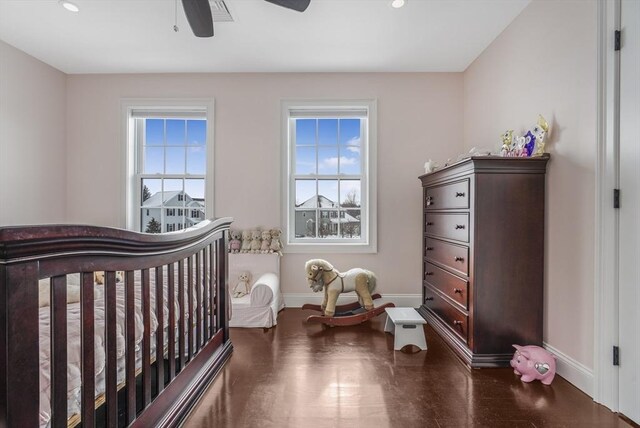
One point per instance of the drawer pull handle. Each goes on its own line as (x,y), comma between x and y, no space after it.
(429,248)
(457,290)
(456,322)
(429,223)
(459,194)
(459,226)
(427,299)
(428,273)
(459,259)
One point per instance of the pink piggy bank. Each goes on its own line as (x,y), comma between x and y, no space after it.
(534,362)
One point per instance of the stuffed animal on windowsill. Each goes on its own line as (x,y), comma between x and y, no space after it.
(246,242)
(243,287)
(266,242)
(276,244)
(256,242)
(235,244)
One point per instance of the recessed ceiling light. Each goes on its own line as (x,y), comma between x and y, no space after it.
(397,4)
(71,7)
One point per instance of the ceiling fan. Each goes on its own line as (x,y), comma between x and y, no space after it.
(199,13)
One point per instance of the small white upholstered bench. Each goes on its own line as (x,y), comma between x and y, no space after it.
(406,325)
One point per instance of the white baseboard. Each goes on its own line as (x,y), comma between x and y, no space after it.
(296,300)
(576,373)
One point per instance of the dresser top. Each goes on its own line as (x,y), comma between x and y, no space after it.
(489,165)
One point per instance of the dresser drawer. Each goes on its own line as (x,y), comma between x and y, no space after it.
(451,226)
(447,196)
(454,319)
(450,285)
(455,257)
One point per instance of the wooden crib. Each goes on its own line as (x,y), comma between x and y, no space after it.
(190,349)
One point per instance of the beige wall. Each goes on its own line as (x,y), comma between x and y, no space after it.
(32,140)
(545,62)
(419,117)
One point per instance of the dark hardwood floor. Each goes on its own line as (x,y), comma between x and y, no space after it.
(300,375)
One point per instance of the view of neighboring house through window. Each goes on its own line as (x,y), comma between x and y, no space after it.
(171,169)
(329,175)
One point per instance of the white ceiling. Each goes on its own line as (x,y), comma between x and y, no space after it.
(136,36)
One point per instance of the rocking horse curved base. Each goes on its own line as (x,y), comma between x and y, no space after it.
(349,314)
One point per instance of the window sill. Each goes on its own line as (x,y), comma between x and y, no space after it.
(319,248)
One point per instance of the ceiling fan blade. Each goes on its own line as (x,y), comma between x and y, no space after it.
(199,16)
(299,5)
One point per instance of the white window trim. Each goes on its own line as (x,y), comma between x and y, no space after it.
(370,243)
(129,211)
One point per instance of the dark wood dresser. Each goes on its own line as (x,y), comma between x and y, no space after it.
(483,255)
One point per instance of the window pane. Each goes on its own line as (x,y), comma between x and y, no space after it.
(175,160)
(197,132)
(150,223)
(328,227)
(305,226)
(305,132)
(350,191)
(328,193)
(196,160)
(328,131)
(175,132)
(154,132)
(350,160)
(350,131)
(173,185)
(328,160)
(153,160)
(306,194)
(350,224)
(194,189)
(153,187)
(305,160)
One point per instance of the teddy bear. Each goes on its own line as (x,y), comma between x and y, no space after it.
(246,241)
(235,244)
(255,241)
(98,277)
(276,244)
(266,242)
(243,287)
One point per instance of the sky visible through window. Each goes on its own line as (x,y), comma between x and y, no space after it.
(329,147)
(175,146)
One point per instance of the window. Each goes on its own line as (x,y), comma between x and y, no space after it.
(169,164)
(330,176)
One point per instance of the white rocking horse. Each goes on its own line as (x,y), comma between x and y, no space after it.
(322,275)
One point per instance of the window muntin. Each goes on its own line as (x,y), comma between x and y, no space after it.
(328,180)
(171,171)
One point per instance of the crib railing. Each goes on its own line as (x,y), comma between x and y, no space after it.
(190,266)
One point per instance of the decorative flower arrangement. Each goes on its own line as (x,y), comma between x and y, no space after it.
(530,144)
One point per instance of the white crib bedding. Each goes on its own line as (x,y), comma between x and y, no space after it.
(74,356)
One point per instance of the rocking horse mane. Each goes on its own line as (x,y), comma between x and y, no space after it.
(323,264)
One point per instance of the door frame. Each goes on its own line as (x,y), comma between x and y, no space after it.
(606,287)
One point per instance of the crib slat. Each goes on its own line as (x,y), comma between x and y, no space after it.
(111,368)
(198,301)
(130,365)
(190,297)
(213,292)
(172,322)
(181,321)
(58,367)
(223,292)
(160,331)
(88,349)
(146,338)
(205,297)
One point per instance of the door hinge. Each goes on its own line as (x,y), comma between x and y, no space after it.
(616,198)
(617,36)
(616,356)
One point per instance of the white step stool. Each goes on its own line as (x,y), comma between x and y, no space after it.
(406,325)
